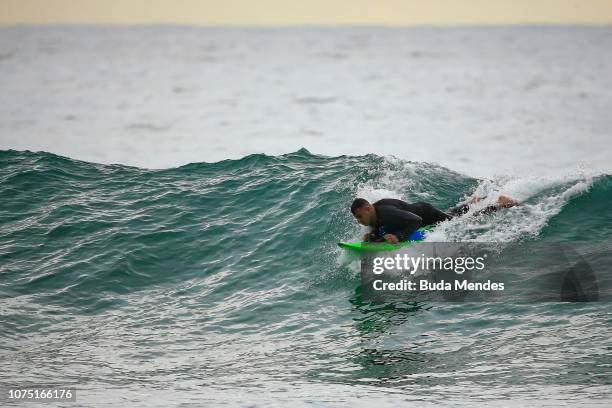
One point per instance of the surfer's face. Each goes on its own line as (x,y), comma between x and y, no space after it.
(365,215)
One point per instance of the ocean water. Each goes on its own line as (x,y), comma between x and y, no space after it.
(171,199)
(478,100)
(221,284)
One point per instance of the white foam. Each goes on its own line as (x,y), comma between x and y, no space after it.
(541,198)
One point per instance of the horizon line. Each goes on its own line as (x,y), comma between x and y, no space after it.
(303,25)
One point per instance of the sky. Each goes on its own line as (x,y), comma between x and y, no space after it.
(306,12)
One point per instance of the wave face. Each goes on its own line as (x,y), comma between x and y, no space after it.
(224,279)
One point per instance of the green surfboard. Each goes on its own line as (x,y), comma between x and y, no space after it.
(418,235)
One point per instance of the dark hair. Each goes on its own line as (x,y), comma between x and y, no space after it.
(358,203)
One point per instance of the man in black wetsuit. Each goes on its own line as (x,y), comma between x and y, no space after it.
(395,220)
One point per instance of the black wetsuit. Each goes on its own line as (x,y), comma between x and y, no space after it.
(464,208)
(402,219)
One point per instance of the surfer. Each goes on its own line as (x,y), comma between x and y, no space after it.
(395,220)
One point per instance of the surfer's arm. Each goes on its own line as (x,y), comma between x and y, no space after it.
(405,222)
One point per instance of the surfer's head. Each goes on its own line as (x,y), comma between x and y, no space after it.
(363,211)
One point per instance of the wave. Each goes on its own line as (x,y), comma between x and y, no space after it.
(85,235)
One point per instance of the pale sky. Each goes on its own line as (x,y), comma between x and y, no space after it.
(305,12)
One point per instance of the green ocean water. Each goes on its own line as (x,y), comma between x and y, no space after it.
(221,283)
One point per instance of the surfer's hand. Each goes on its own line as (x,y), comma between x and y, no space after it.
(391,238)
(366,237)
